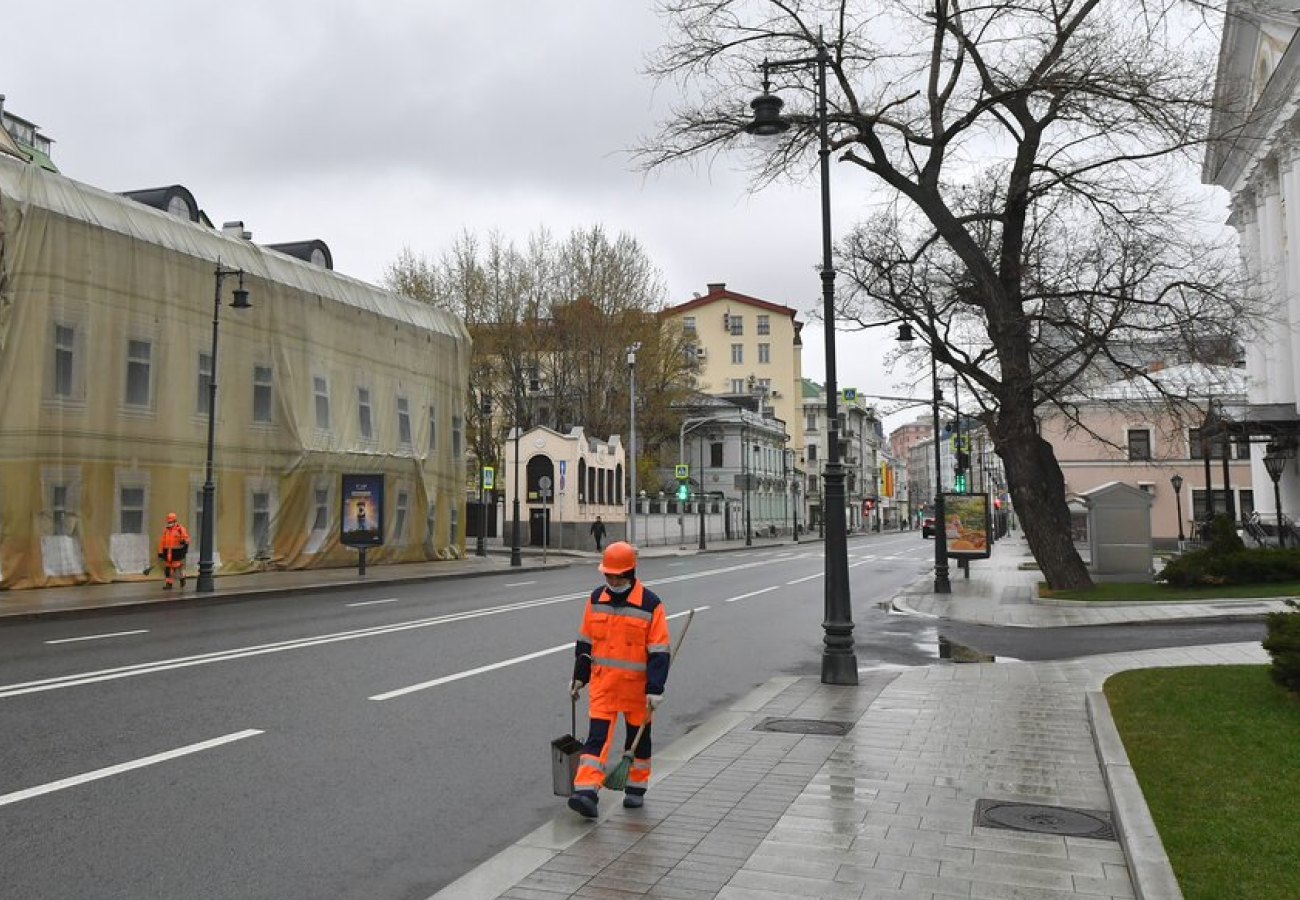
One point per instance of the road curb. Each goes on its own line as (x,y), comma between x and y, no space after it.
(135,605)
(1153,876)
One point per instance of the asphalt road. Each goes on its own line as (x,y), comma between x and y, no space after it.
(378,744)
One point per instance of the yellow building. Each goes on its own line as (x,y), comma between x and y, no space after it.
(106,336)
(748,346)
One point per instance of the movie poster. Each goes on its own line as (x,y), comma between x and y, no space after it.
(363,510)
(966,525)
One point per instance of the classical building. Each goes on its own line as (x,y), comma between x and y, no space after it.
(106,349)
(1254,155)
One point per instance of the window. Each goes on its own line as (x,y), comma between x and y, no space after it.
(263,394)
(737,385)
(364,424)
(59,510)
(65,355)
(139,372)
(1139,443)
(320,387)
(1220,503)
(764,324)
(433,429)
(131,510)
(812,453)
(456,436)
(810,421)
(688,324)
(765,353)
(715,454)
(1245,503)
(736,325)
(321,518)
(737,353)
(261,503)
(455,526)
(404,422)
(399,519)
(203,402)
(764,387)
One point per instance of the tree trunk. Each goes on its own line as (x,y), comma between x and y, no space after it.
(1038,496)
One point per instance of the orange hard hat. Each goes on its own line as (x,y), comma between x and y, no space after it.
(619,557)
(171,517)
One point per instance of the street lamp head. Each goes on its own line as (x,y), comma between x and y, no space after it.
(906,337)
(767,121)
(1275,463)
(1177,481)
(239,298)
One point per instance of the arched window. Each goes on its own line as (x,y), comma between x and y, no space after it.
(591,484)
(618,485)
(538,466)
(609,483)
(600,487)
(582,481)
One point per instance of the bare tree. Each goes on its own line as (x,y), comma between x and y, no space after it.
(1027,153)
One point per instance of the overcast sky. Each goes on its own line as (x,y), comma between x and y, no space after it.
(376,126)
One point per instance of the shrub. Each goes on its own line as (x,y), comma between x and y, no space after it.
(1257,565)
(1223,536)
(1283,644)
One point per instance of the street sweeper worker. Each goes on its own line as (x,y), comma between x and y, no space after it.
(172,547)
(623,653)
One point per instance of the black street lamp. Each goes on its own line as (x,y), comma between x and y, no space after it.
(485,407)
(1275,462)
(942,585)
(239,300)
(515,558)
(839,662)
(1176,481)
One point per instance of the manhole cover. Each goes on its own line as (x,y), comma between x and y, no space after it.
(1062,820)
(805,726)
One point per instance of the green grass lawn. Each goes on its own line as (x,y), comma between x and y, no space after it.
(1217,752)
(1166,594)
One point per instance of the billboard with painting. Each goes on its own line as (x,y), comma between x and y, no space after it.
(966,525)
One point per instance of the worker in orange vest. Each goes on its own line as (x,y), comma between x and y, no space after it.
(172,547)
(623,653)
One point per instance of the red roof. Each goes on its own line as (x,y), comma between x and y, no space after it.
(719,292)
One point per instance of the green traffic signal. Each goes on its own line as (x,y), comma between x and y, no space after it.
(683,491)
(959,485)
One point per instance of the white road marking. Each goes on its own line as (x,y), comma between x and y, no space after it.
(373,602)
(520,583)
(468,673)
(75,680)
(98,637)
(75,780)
(424,685)
(750,594)
(805,578)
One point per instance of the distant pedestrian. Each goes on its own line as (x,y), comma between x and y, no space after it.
(172,547)
(598,533)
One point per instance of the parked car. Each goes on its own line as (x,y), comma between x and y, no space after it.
(927,527)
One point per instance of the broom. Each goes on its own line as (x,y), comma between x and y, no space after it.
(616,779)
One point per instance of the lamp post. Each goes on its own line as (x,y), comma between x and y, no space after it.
(1275,463)
(485,407)
(839,662)
(239,300)
(942,585)
(1176,481)
(631,444)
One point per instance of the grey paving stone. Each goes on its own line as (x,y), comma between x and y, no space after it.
(791,886)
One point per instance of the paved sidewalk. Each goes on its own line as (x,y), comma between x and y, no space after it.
(888,810)
(141,590)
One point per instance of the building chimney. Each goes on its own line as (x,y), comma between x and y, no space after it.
(236,229)
(717,286)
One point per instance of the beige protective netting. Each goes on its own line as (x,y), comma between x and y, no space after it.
(106,311)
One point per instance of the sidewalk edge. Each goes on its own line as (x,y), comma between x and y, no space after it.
(1153,875)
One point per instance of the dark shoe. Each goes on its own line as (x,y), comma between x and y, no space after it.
(182,582)
(167,585)
(584,804)
(633,801)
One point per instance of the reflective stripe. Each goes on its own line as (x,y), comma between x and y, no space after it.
(618,663)
(592,762)
(658,648)
(634,612)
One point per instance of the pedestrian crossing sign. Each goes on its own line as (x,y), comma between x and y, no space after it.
(683,472)
(489,477)
(850,394)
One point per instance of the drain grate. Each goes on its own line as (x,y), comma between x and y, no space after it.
(1062,820)
(804,726)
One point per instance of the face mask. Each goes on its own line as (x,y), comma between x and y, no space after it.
(618,591)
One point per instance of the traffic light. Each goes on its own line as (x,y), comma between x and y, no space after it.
(963,461)
(683,491)
(959,484)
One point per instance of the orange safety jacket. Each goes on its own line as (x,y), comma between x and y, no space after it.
(174,543)
(623,649)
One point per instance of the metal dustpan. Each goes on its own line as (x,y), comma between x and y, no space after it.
(565,753)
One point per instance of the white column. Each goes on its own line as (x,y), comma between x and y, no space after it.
(1245,218)
(1274,342)
(1289,175)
